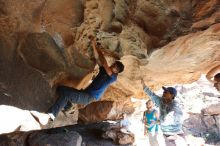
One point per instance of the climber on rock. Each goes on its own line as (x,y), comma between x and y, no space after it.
(106,76)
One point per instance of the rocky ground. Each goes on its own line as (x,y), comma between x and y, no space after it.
(201,121)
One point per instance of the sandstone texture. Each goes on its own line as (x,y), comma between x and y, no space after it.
(45,43)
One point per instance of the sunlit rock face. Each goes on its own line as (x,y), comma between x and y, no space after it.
(107,110)
(185,59)
(45,43)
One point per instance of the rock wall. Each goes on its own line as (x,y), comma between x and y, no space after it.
(45,43)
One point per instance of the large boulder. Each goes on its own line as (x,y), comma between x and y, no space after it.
(66,139)
(212,110)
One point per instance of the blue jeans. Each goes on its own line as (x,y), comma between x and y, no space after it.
(67,94)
